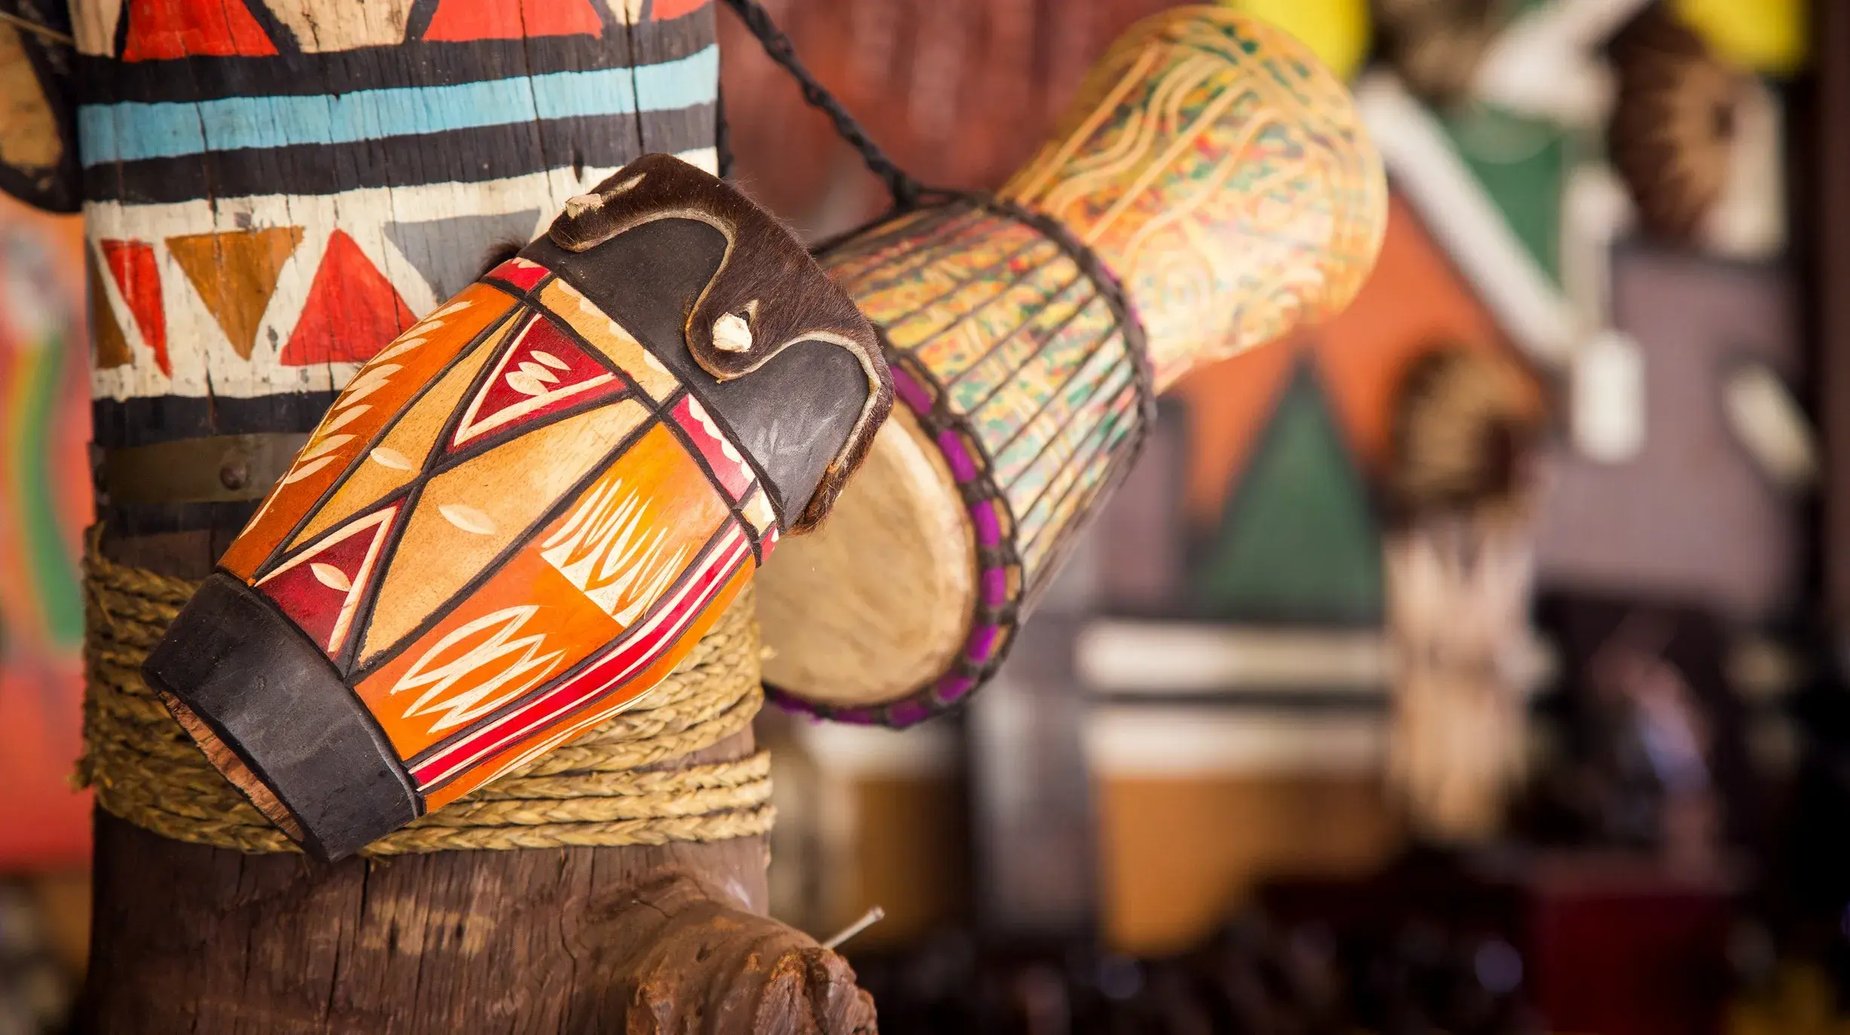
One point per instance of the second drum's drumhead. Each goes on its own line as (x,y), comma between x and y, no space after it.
(875,604)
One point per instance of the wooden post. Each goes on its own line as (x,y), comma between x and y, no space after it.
(272,191)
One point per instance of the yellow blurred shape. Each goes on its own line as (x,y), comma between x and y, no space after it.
(1767,36)
(1336,30)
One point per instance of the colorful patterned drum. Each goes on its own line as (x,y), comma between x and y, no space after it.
(1210,190)
(519,516)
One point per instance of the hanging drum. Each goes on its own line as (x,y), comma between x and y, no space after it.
(521,514)
(1210,190)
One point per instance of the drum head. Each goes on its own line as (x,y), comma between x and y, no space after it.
(865,614)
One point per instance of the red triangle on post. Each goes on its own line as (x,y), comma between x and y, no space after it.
(352,310)
(132,264)
(463,20)
(162,30)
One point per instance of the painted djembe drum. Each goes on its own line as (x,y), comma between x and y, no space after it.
(520,515)
(1210,190)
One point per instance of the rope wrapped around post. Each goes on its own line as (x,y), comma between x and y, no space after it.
(598,790)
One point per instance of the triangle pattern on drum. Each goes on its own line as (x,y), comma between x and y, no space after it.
(403,450)
(540,374)
(325,26)
(94,26)
(321,587)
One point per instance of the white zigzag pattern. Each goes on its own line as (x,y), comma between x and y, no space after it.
(605,551)
(527,670)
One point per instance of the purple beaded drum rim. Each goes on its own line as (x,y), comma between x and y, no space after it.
(994,622)
(1002,595)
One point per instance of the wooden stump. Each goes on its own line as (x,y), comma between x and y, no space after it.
(637,939)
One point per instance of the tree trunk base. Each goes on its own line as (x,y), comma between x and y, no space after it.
(638,939)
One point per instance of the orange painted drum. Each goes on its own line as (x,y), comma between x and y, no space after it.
(520,515)
(1210,190)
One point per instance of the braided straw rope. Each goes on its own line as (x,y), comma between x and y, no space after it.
(596,790)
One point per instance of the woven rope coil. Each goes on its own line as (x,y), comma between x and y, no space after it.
(596,790)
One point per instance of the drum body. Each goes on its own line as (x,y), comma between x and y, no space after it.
(1028,393)
(1210,191)
(520,515)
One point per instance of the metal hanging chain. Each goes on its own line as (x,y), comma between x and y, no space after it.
(899,183)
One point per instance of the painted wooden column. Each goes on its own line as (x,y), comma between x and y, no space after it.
(273,189)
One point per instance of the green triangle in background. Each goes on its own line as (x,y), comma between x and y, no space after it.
(1298,540)
(1522,164)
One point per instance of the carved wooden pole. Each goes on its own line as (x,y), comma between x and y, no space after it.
(272,192)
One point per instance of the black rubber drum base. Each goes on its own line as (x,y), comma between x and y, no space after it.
(243,676)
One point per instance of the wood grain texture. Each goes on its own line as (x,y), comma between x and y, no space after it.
(580,940)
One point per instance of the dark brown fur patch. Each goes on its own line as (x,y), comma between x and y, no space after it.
(768,279)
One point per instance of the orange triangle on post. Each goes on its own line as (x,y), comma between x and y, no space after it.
(111,344)
(352,310)
(162,30)
(235,274)
(132,264)
(461,20)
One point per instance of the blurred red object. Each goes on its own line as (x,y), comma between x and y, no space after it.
(1628,947)
(45,501)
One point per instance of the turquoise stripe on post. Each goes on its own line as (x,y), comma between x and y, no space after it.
(132,131)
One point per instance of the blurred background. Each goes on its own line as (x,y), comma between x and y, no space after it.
(1473,664)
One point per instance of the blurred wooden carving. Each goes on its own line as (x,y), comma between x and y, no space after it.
(1459,561)
(1436,45)
(1673,125)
